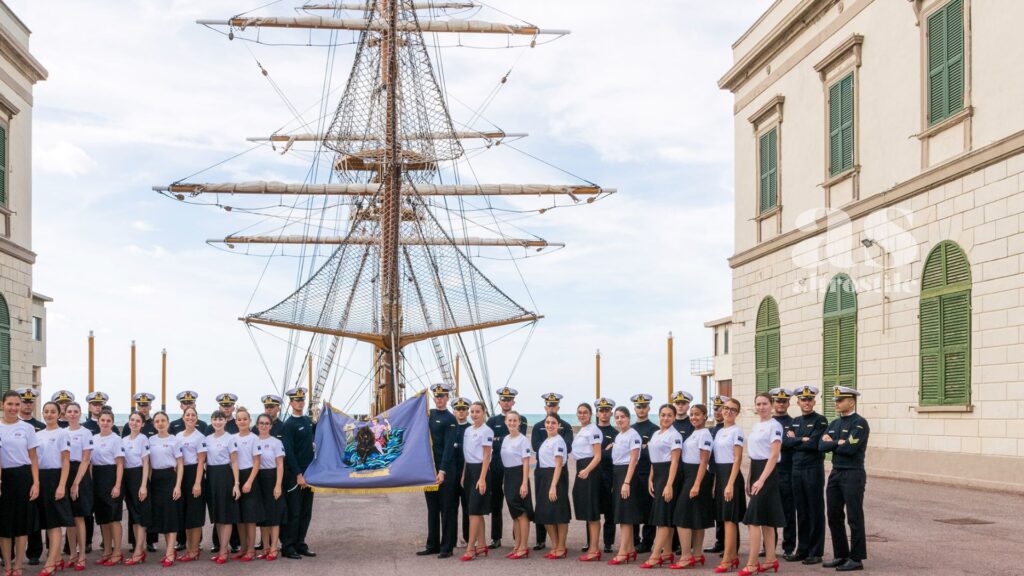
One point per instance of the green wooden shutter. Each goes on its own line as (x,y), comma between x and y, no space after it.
(3,165)
(839,339)
(830,363)
(945,61)
(937,66)
(5,346)
(931,348)
(768,161)
(945,328)
(956,353)
(767,349)
(954,57)
(840,118)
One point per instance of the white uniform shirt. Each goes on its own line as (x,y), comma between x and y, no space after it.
(584,440)
(725,440)
(135,450)
(473,442)
(164,452)
(80,439)
(624,445)
(248,450)
(219,449)
(515,450)
(662,443)
(107,449)
(191,446)
(700,440)
(52,444)
(549,450)
(15,442)
(762,436)
(269,449)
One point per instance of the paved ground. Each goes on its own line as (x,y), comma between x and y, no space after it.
(379,534)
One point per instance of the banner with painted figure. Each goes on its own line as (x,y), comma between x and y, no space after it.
(388,453)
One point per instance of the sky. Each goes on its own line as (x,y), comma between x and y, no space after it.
(139,95)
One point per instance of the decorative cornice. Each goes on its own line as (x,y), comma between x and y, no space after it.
(773,106)
(13,250)
(8,108)
(21,58)
(852,44)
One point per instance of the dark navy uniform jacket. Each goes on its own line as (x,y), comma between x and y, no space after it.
(786,462)
(806,454)
(539,434)
(148,430)
(849,455)
(276,429)
(684,427)
(179,426)
(442,433)
(35,424)
(454,460)
(646,429)
(298,444)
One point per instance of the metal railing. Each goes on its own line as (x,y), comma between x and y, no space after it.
(700,366)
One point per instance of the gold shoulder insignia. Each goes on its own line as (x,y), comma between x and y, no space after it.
(854,440)
(859,426)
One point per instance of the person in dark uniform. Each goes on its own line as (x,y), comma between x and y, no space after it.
(780,407)
(187,399)
(62,398)
(808,478)
(537,437)
(226,401)
(441,505)
(643,538)
(25,413)
(717,401)
(298,454)
(272,407)
(454,464)
(143,405)
(604,407)
(847,439)
(506,400)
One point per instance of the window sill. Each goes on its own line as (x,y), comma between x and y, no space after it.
(848,173)
(927,409)
(947,123)
(768,213)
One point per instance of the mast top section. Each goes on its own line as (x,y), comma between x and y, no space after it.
(382,25)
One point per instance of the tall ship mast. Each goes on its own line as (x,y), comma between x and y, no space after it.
(399,273)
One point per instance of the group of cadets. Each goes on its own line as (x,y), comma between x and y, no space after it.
(663,479)
(64,475)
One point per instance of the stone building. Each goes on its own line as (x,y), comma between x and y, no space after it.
(879,224)
(22,313)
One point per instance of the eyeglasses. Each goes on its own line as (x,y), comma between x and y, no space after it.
(730,409)
(263,423)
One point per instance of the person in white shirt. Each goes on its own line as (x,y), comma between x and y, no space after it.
(552,492)
(79,483)
(730,498)
(54,455)
(19,476)
(224,492)
(136,486)
(192,515)
(250,505)
(695,509)
(476,450)
(270,478)
(167,465)
(625,455)
(586,490)
(515,457)
(107,474)
(764,509)
(664,449)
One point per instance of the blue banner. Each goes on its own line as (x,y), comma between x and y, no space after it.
(389,453)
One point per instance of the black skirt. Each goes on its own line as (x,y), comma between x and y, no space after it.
(733,510)
(477,504)
(274,510)
(250,506)
(165,508)
(140,513)
(222,505)
(765,507)
(661,511)
(17,513)
(106,508)
(626,509)
(81,507)
(586,493)
(192,509)
(549,512)
(695,513)
(53,513)
(517,505)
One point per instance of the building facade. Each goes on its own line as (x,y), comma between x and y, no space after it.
(879,224)
(715,371)
(22,356)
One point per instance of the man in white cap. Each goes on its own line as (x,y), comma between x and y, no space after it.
(643,538)
(272,407)
(187,399)
(808,478)
(847,440)
(604,406)
(143,405)
(62,398)
(442,506)
(681,400)
(226,404)
(298,455)
(780,412)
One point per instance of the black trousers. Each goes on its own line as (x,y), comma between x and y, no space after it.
(608,505)
(808,493)
(789,508)
(643,537)
(496,482)
(448,503)
(35,545)
(300,512)
(845,498)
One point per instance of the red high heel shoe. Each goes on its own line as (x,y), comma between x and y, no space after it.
(556,556)
(467,556)
(111,562)
(482,550)
(519,555)
(747,572)
(591,557)
(167,562)
(774,567)
(648,565)
(246,558)
(619,559)
(101,562)
(726,566)
(132,561)
(271,556)
(80,566)
(186,557)
(48,572)
(220,559)
(698,559)
(683,563)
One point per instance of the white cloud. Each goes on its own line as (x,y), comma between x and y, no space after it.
(143,226)
(63,157)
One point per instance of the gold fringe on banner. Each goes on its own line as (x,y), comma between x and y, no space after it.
(395,490)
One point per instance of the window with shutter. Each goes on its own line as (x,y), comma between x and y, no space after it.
(945,328)
(5,346)
(768,186)
(840,125)
(3,165)
(945,37)
(767,360)
(839,339)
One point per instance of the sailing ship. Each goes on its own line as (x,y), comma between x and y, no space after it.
(400,273)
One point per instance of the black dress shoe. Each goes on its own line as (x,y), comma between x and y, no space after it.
(812,560)
(88,548)
(762,554)
(716,549)
(540,546)
(793,557)
(150,547)
(235,549)
(258,546)
(427,552)
(494,544)
(33,561)
(179,547)
(850,565)
(607,549)
(445,555)
(834,563)
(291,554)
(308,552)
